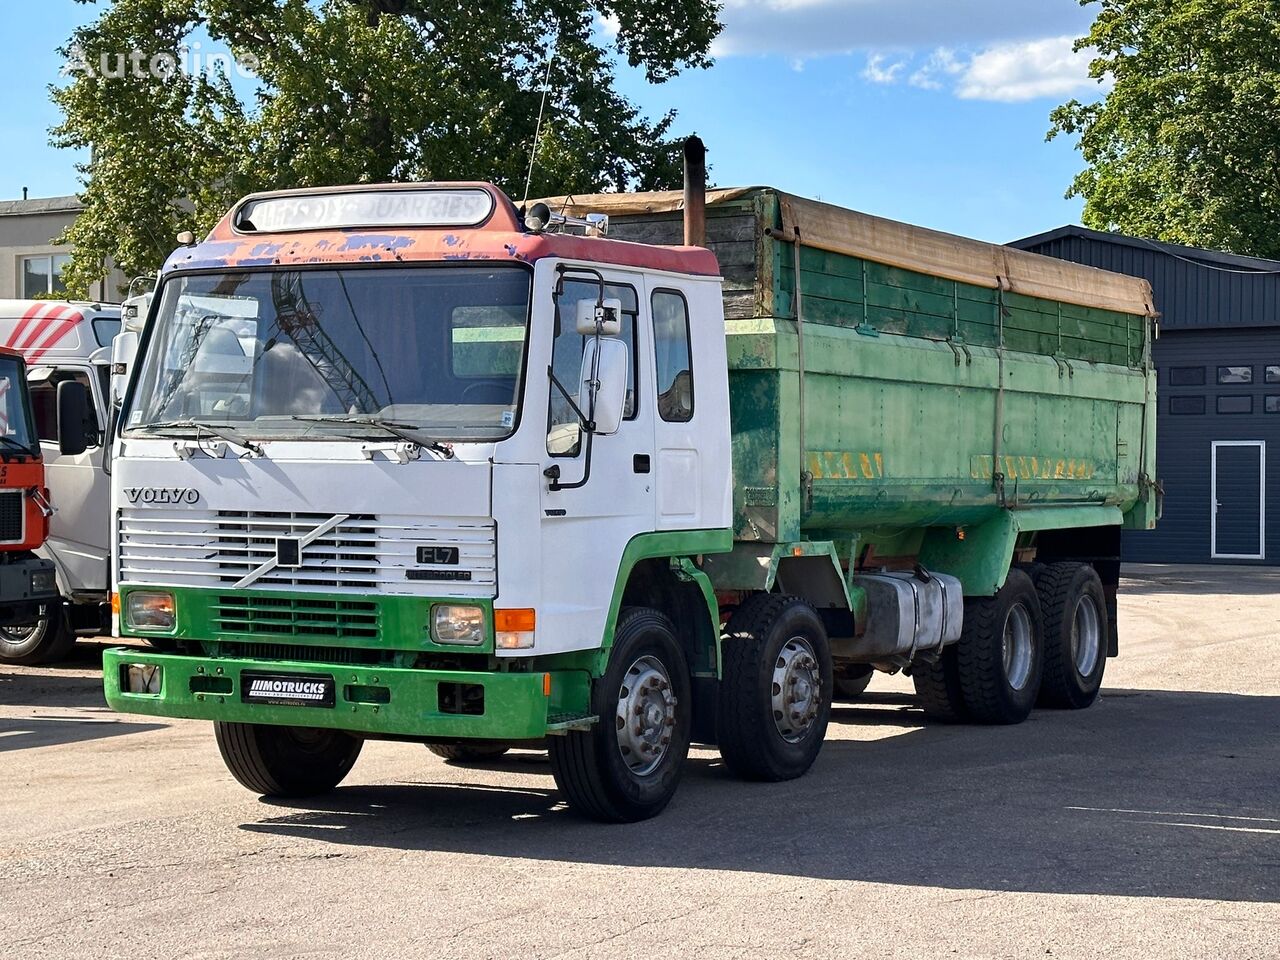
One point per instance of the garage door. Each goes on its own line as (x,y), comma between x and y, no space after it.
(1238,500)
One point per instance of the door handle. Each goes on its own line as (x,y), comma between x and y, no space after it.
(640,463)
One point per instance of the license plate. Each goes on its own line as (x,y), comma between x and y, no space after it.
(288,689)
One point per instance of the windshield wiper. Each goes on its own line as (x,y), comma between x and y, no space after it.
(405,431)
(222,433)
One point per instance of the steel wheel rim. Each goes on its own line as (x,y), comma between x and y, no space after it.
(1016,646)
(646,715)
(17,636)
(1086,636)
(796,694)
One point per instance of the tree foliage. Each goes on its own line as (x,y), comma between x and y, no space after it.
(1186,145)
(348,91)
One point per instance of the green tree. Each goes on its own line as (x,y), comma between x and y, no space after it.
(342,91)
(1186,145)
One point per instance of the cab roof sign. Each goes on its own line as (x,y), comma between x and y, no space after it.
(389,207)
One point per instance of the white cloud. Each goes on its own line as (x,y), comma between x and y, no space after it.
(880,70)
(942,63)
(1014,72)
(807,28)
(1006,72)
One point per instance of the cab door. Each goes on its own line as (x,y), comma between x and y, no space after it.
(79,530)
(607,491)
(679,467)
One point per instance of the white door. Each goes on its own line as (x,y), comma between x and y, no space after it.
(1238,500)
(589,521)
(79,531)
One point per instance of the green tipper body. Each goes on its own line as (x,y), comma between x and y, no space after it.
(935,414)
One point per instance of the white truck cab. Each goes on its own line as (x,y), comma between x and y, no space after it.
(63,342)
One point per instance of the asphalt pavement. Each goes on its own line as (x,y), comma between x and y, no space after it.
(1146,827)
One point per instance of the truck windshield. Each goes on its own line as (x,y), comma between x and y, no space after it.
(313,353)
(16,433)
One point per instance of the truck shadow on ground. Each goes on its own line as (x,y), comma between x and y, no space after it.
(1150,793)
(66,706)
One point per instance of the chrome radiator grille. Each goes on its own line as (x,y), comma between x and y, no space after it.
(362,554)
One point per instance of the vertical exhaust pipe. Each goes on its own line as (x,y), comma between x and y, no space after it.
(695,193)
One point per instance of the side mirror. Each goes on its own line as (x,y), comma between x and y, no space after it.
(604,380)
(73,414)
(124,348)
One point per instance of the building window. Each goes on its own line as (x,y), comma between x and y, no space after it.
(1235,375)
(1235,404)
(1180,406)
(1273,374)
(1186,376)
(1273,404)
(673,354)
(42,276)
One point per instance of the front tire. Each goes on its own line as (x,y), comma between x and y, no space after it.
(48,640)
(286,761)
(850,683)
(775,695)
(467,752)
(627,766)
(1000,655)
(1075,635)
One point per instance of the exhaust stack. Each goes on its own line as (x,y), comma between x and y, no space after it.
(695,193)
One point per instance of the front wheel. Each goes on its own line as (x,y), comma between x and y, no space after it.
(467,752)
(850,683)
(628,765)
(286,761)
(775,694)
(47,640)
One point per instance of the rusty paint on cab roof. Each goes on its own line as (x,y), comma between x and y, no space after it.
(502,238)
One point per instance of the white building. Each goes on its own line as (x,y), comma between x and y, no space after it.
(31,264)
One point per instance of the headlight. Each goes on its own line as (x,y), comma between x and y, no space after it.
(44,581)
(149,611)
(462,626)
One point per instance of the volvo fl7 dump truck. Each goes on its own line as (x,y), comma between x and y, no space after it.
(28,583)
(399,462)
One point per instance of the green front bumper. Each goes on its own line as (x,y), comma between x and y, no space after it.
(376,701)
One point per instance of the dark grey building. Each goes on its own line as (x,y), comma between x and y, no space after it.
(1218,365)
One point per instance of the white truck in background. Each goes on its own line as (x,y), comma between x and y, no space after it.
(62,342)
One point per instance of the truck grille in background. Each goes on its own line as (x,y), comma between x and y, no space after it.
(364,554)
(285,617)
(11,504)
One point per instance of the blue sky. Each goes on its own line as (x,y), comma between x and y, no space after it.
(929,111)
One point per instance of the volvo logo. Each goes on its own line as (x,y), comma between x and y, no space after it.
(165,495)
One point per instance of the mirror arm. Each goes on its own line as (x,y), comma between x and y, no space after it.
(582,417)
(552,472)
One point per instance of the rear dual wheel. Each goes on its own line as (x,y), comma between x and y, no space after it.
(1076,630)
(992,674)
